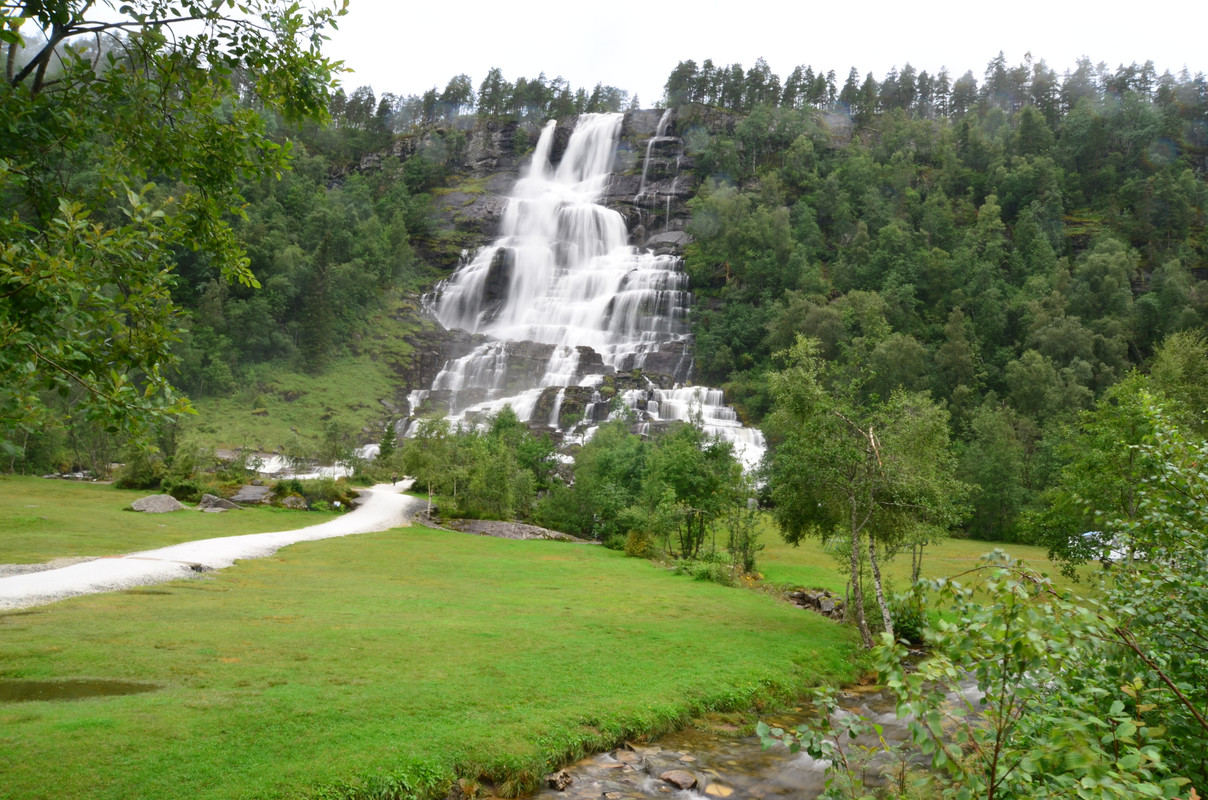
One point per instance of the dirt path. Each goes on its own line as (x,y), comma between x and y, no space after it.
(383,508)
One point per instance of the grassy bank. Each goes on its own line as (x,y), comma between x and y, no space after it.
(43,519)
(406,655)
(808,564)
(279,406)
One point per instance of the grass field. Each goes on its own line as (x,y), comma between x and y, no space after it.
(44,519)
(412,652)
(404,658)
(808,564)
(280,406)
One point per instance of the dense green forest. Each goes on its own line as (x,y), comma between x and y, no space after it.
(1014,246)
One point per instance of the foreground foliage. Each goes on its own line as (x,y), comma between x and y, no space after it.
(1100,698)
(128,133)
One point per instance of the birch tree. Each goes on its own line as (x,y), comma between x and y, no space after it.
(872,472)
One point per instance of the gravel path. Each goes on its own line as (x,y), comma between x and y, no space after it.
(382,508)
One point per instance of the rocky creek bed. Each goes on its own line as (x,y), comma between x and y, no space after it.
(699,763)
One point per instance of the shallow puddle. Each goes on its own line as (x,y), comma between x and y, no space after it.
(71,689)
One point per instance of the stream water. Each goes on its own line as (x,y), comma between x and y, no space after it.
(725,765)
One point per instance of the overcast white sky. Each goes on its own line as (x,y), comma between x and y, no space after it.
(407,47)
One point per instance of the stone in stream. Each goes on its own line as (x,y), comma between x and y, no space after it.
(717,790)
(680,779)
(559,780)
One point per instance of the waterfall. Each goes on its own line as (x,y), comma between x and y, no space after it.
(562,281)
(659,135)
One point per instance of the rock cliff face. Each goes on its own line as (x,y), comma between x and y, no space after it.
(650,185)
(651,181)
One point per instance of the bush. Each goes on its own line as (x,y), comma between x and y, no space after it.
(909,618)
(709,567)
(186,490)
(320,494)
(638,544)
(140,471)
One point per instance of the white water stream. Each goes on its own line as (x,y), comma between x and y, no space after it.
(563,273)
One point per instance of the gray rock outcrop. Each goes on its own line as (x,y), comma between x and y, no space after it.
(822,601)
(158,504)
(209,501)
(251,495)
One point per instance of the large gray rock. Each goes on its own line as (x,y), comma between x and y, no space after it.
(669,241)
(251,494)
(158,504)
(209,501)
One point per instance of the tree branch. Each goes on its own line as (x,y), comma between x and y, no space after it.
(1127,639)
(83,383)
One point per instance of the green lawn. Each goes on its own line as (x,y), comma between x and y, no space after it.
(808,564)
(43,519)
(412,652)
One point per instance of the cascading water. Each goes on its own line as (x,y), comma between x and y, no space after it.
(563,284)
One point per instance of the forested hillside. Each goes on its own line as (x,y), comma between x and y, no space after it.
(1013,244)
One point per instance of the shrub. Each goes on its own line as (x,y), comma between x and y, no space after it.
(320,494)
(638,544)
(140,471)
(186,490)
(909,618)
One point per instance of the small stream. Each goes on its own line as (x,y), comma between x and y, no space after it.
(723,765)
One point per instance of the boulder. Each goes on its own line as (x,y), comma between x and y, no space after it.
(559,780)
(210,502)
(251,494)
(680,779)
(158,504)
(669,241)
(294,502)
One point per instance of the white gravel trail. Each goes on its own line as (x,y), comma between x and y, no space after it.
(382,508)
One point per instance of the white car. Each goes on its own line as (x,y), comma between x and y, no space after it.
(1111,549)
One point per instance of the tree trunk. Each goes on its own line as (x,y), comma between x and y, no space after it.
(857,593)
(886,617)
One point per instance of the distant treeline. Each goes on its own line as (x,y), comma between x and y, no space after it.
(533,99)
